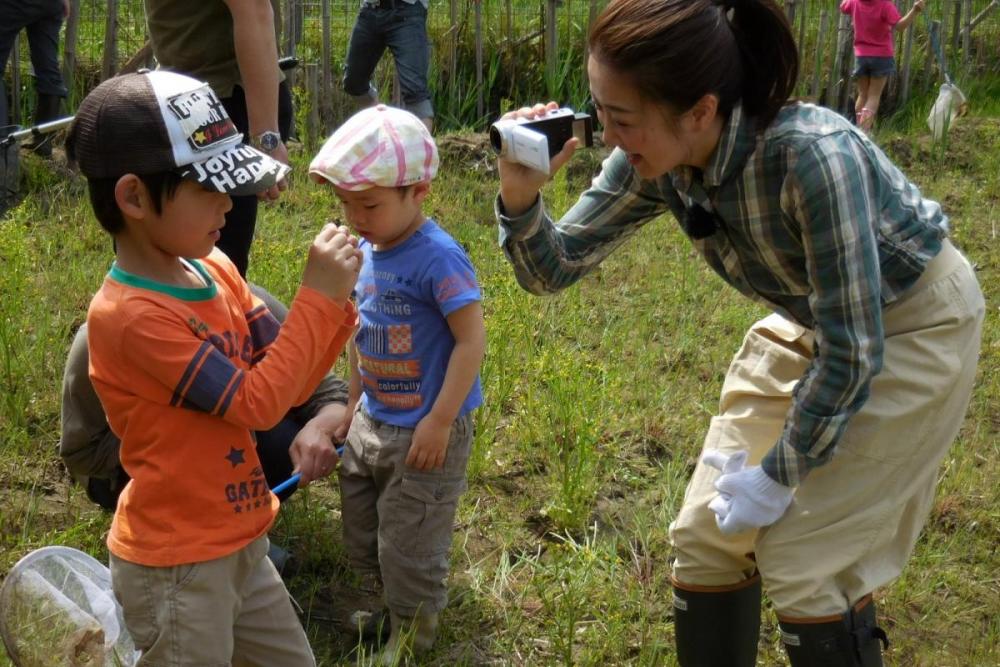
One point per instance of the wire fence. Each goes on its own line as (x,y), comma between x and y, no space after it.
(491,55)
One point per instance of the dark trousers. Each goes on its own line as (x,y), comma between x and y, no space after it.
(402,28)
(237,235)
(42,20)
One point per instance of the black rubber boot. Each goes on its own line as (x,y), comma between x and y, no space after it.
(46,109)
(718,628)
(853,640)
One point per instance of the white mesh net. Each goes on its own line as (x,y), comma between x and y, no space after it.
(57,610)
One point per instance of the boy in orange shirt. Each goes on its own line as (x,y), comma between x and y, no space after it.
(186,362)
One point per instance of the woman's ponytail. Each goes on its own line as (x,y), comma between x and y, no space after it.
(770,57)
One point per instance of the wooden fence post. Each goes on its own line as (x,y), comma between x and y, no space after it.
(824,20)
(110,63)
(832,97)
(802,29)
(312,94)
(904,72)
(956,28)
(935,34)
(480,93)
(790,11)
(326,101)
(967,33)
(14,113)
(453,47)
(551,48)
(70,44)
(591,17)
(512,44)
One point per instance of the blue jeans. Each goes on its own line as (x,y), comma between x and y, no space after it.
(42,19)
(402,27)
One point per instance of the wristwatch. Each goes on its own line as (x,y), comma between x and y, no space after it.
(266,141)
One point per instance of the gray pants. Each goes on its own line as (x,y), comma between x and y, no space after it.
(398,521)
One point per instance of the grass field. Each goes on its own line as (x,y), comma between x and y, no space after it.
(596,404)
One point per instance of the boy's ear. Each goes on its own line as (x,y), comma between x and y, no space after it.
(132,196)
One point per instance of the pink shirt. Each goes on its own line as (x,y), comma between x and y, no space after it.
(873,22)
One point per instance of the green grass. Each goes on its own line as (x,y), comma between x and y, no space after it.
(597,400)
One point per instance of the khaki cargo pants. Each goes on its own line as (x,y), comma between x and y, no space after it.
(853,522)
(233,610)
(398,521)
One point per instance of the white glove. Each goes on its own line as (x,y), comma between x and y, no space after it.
(747,498)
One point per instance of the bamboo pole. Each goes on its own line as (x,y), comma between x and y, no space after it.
(70,44)
(983,14)
(824,20)
(110,63)
(790,11)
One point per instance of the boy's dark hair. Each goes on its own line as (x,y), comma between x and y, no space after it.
(161,186)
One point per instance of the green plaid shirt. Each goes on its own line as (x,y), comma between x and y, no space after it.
(813,221)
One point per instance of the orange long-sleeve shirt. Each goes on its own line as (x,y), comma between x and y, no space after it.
(184,375)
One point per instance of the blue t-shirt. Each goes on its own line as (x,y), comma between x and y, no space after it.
(404,344)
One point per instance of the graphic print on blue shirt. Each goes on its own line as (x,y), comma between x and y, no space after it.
(404,343)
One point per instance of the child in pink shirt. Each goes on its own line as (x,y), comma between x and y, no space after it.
(874,21)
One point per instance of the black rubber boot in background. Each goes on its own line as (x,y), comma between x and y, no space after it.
(852,640)
(718,628)
(46,109)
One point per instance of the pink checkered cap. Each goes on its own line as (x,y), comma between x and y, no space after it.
(380,145)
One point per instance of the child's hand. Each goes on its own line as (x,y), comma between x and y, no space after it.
(430,444)
(918,6)
(334,263)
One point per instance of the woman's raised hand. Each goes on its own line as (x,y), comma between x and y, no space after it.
(519,185)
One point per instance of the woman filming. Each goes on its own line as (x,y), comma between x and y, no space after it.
(818,473)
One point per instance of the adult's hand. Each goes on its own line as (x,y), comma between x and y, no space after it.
(747,498)
(281,155)
(313,453)
(519,185)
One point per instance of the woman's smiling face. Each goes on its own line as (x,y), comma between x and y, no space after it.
(636,125)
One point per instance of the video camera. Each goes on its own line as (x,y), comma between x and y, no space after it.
(533,142)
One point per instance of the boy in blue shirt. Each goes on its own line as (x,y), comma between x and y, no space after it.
(415,370)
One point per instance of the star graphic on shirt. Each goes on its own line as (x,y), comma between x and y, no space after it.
(409,282)
(235,456)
